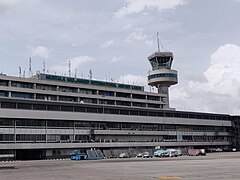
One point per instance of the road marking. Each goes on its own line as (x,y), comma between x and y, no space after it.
(170,177)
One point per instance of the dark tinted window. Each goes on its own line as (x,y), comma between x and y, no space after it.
(8,105)
(24,106)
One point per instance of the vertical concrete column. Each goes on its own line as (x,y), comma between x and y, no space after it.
(15,131)
(115,95)
(131,100)
(46,131)
(73,131)
(9,84)
(57,95)
(34,87)
(164,90)
(146,98)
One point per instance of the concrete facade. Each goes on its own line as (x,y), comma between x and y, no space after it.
(48,116)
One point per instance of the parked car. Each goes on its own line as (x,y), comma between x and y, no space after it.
(219,150)
(139,155)
(146,155)
(78,156)
(123,155)
(172,152)
(165,154)
(179,152)
(196,152)
(158,153)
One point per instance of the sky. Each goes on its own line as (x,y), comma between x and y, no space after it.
(114,39)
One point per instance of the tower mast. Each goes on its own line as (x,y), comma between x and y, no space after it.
(30,67)
(158,42)
(69,68)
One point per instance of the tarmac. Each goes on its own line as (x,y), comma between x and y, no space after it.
(214,166)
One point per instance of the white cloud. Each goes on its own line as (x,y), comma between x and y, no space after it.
(139,36)
(107,44)
(137,80)
(6,5)
(74,45)
(136,6)
(40,51)
(75,63)
(133,79)
(116,58)
(221,90)
(127,27)
(8,2)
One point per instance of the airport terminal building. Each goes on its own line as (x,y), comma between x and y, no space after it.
(49,116)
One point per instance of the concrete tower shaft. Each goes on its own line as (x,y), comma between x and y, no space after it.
(162,76)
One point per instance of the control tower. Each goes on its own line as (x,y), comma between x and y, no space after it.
(162,76)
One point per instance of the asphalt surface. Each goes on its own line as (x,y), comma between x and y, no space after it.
(213,166)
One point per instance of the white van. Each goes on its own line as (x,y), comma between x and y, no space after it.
(172,152)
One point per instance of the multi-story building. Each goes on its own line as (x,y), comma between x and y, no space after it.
(49,116)
(236,132)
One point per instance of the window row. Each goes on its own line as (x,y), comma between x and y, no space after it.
(71,90)
(88,138)
(76,100)
(162,75)
(48,97)
(113,110)
(89,81)
(107,126)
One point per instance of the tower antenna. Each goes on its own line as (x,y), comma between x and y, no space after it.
(158,42)
(20,71)
(30,66)
(69,68)
(90,73)
(44,66)
(75,74)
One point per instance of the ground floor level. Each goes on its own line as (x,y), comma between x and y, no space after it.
(36,151)
(216,166)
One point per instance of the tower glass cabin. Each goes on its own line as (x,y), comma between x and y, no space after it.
(161,60)
(162,76)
